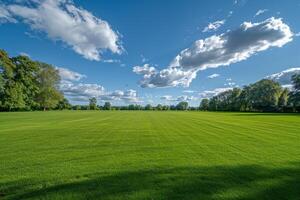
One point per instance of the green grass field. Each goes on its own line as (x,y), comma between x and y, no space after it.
(149,155)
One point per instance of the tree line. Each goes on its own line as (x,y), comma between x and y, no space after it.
(32,85)
(263,96)
(107,106)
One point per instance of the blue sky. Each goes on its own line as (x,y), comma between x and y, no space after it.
(139,32)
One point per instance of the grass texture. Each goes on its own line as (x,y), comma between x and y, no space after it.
(149,155)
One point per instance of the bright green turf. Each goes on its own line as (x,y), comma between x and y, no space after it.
(149,155)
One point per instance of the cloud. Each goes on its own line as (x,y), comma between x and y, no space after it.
(213,76)
(231,84)
(128,96)
(178,98)
(284,77)
(111,61)
(188,91)
(213,26)
(61,20)
(260,12)
(165,78)
(5,15)
(145,70)
(69,75)
(211,93)
(24,54)
(219,50)
(83,92)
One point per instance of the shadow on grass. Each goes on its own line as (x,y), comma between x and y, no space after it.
(223,182)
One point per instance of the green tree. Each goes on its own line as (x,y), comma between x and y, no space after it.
(148,107)
(183,105)
(93,103)
(244,99)
(204,105)
(159,107)
(64,104)
(107,106)
(283,99)
(264,95)
(26,75)
(11,96)
(48,83)
(294,96)
(166,107)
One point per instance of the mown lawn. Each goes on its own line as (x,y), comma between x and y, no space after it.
(149,155)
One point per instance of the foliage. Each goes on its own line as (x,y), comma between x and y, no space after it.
(48,80)
(93,103)
(27,84)
(107,106)
(182,105)
(264,96)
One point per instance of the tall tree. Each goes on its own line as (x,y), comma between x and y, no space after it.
(204,105)
(11,96)
(283,99)
(244,99)
(264,95)
(48,82)
(26,75)
(294,96)
(93,103)
(148,107)
(183,105)
(159,107)
(107,106)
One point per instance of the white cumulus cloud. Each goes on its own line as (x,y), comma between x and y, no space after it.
(61,20)
(220,50)
(84,91)
(284,77)
(69,75)
(211,93)
(5,15)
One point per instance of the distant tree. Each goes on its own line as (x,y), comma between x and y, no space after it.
(76,107)
(283,99)
(131,107)
(182,105)
(148,107)
(48,81)
(294,96)
(173,107)
(159,107)
(107,106)
(244,100)
(204,105)
(213,104)
(166,107)
(93,103)
(64,104)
